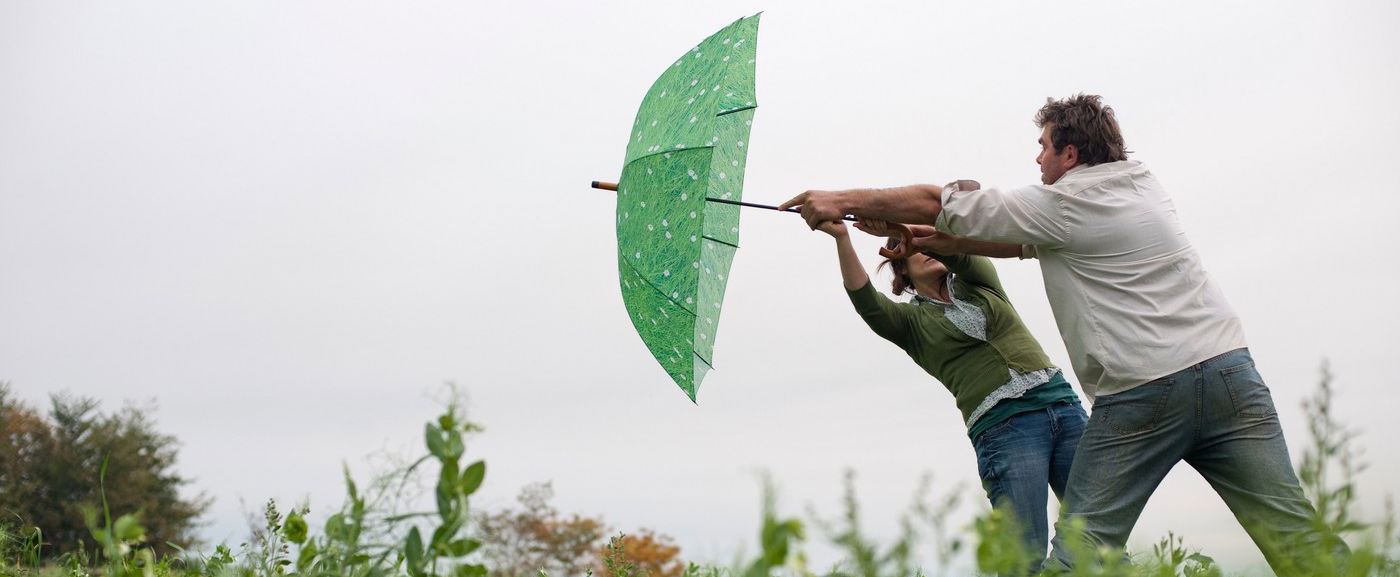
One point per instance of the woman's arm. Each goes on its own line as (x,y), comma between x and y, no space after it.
(883,316)
(853,274)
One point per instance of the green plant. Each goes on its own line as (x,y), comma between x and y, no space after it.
(121,541)
(1171,559)
(864,557)
(1328,473)
(935,515)
(24,546)
(779,539)
(615,561)
(455,484)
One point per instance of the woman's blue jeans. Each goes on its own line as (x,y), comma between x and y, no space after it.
(1022,456)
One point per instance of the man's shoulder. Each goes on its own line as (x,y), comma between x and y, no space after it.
(1106,175)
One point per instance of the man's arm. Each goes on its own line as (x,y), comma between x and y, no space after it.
(1031,216)
(929,239)
(913,204)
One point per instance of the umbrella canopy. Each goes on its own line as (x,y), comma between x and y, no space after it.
(687,145)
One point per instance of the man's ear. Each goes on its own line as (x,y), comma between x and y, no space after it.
(1071,153)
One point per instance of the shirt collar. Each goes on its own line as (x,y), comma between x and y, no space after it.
(930,300)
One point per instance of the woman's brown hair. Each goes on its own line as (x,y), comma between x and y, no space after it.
(900,266)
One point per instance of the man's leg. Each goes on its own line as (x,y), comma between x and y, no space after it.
(1013,459)
(1242,454)
(1132,440)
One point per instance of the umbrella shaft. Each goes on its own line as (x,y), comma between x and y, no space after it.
(613,187)
(756,205)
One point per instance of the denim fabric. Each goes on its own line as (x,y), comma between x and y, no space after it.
(1019,457)
(1219,417)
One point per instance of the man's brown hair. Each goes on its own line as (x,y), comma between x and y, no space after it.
(1083,120)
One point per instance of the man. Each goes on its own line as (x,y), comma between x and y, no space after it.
(1151,338)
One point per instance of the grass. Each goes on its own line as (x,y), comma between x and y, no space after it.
(367,538)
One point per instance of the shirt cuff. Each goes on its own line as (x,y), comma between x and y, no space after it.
(941,223)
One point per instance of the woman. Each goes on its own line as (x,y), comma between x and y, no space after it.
(1023,418)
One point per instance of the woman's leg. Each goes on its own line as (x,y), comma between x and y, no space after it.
(1013,459)
(1069,421)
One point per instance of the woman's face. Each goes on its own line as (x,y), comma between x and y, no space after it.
(922,267)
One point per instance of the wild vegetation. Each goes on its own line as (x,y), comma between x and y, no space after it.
(50,465)
(369,536)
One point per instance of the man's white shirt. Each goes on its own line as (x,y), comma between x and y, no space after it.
(1129,293)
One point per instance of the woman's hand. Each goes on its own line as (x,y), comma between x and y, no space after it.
(835,228)
(875,227)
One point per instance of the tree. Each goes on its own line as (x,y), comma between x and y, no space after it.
(51,470)
(523,542)
(520,543)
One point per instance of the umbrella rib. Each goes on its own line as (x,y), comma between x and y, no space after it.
(653,287)
(703,360)
(708,237)
(736,110)
(643,278)
(645,156)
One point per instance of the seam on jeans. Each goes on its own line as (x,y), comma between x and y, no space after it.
(1204,362)
(1225,376)
(1236,369)
(1157,407)
(990,481)
(997,427)
(1200,403)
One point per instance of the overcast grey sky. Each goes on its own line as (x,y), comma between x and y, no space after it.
(289,222)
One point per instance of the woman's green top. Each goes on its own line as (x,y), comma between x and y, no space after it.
(975,345)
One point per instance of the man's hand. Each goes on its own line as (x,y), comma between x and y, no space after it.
(835,228)
(818,206)
(928,239)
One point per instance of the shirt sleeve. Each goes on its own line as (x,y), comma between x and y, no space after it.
(974,269)
(884,316)
(1029,215)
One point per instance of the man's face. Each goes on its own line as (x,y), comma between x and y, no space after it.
(1054,165)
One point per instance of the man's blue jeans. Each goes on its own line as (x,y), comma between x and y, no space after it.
(1216,415)
(1019,457)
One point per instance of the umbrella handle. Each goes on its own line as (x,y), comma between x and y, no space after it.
(906,243)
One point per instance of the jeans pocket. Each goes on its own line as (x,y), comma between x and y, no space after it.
(1247,390)
(1135,410)
(1071,418)
(992,433)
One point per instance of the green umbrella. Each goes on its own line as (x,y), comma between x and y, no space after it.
(674,248)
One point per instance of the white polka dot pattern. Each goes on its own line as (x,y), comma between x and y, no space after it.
(688,144)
